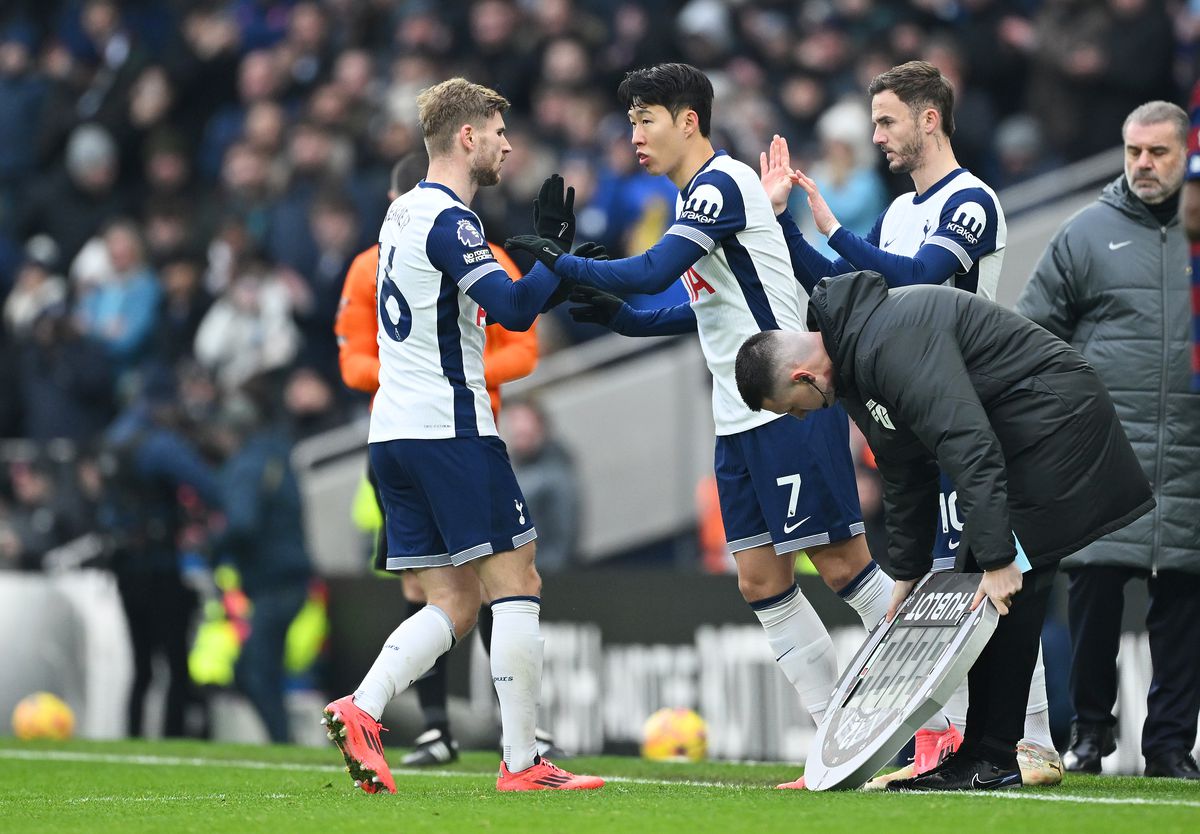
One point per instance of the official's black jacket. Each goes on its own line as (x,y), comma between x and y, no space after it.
(1015,416)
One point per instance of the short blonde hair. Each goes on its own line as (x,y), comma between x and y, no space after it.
(445,107)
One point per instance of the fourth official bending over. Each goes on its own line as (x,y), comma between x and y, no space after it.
(937,378)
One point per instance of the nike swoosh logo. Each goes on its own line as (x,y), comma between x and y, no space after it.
(954,543)
(985,784)
(787,528)
(1113,247)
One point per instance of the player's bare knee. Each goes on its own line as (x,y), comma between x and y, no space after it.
(527,582)
(462,609)
(463,623)
(835,576)
(839,563)
(755,587)
(749,589)
(510,574)
(459,601)
(413,592)
(762,574)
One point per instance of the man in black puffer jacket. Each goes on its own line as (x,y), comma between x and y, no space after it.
(1016,418)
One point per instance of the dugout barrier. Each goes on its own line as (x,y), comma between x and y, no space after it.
(619,645)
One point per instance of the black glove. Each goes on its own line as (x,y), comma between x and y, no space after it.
(589,249)
(562,292)
(554,215)
(600,307)
(544,249)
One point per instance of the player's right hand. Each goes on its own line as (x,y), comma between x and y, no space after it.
(823,217)
(900,592)
(544,249)
(598,306)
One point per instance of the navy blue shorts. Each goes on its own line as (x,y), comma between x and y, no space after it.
(790,483)
(446,502)
(948,534)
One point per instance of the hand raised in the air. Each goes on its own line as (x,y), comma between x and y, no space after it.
(554,212)
(777,174)
(544,249)
(826,223)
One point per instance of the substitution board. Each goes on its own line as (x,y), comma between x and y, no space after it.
(905,672)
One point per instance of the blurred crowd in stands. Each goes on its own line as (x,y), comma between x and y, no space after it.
(183,183)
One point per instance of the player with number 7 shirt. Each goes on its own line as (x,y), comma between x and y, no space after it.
(784,486)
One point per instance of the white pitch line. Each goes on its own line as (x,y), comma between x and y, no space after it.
(253,764)
(162,761)
(184,797)
(1065,797)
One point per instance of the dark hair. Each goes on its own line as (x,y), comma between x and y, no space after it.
(677,87)
(919,84)
(409,171)
(754,368)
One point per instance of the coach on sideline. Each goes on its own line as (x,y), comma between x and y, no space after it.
(1020,422)
(1114,284)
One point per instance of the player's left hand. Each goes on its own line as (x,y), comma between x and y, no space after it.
(561,293)
(826,223)
(569,289)
(591,249)
(554,212)
(776,172)
(597,306)
(1000,586)
(900,592)
(544,249)
(587,249)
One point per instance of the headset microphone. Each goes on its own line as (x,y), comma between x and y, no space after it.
(813,383)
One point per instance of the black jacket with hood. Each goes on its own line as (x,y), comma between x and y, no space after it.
(1012,414)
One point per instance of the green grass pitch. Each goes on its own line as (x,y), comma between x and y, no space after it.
(216,788)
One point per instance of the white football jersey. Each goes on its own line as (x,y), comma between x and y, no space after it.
(961,214)
(431,333)
(744,284)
